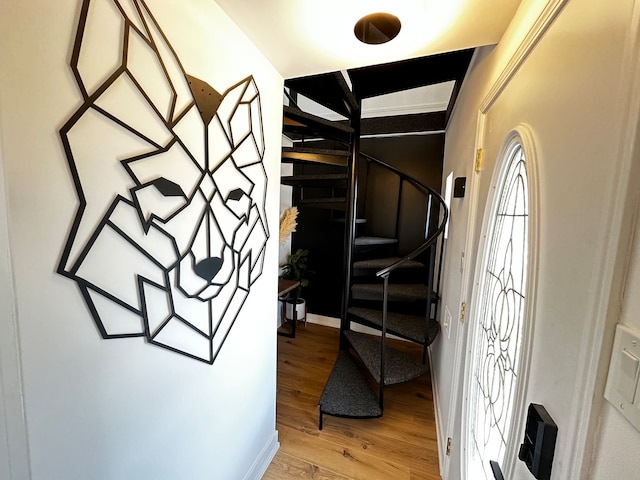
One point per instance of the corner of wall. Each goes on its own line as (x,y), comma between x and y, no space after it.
(264,459)
(14,455)
(625,218)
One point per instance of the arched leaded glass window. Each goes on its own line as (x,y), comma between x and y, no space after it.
(497,326)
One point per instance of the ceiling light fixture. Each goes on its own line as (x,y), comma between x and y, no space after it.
(377,28)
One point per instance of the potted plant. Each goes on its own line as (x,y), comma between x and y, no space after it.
(297,268)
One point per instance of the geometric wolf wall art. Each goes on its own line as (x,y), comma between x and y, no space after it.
(170,230)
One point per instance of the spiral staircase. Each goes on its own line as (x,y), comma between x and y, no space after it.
(391,294)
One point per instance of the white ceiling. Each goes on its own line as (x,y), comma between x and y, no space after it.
(305,37)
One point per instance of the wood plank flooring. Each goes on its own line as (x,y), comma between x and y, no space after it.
(401,445)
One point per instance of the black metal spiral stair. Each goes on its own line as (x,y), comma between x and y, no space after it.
(389,293)
(394,296)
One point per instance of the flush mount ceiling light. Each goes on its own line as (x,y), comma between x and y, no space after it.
(377,28)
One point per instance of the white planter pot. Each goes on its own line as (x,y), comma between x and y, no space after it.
(301,309)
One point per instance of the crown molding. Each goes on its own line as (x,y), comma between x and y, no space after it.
(536,32)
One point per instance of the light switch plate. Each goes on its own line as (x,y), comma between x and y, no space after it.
(628,375)
(624,371)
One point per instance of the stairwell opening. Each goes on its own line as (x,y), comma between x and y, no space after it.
(372,218)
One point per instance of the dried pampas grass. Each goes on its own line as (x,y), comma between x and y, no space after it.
(288,223)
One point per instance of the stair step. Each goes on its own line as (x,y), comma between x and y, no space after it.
(315,155)
(347,392)
(321,180)
(369,241)
(299,122)
(380,263)
(398,292)
(410,327)
(399,367)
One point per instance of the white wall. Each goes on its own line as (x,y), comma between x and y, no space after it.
(447,349)
(13,446)
(617,440)
(122,408)
(566,86)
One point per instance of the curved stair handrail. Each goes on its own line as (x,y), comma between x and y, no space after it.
(430,192)
(385,273)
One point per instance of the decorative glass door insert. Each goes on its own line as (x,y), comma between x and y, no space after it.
(498,325)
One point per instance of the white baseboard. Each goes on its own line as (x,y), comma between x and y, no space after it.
(335,323)
(263,461)
(440,432)
(323,320)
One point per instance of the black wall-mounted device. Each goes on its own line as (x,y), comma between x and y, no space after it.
(539,442)
(459,186)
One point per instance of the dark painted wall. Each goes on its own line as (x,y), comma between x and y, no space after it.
(419,156)
(318,231)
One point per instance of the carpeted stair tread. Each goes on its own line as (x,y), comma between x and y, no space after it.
(380,263)
(347,392)
(403,325)
(367,241)
(398,292)
(399,367)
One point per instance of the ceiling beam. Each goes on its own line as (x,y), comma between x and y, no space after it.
(376,80)
(328,89)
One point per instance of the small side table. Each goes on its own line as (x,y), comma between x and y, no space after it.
(285,287)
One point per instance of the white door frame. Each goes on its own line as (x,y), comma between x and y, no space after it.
(523,135)
(467,279)
(597,344)
(542,23)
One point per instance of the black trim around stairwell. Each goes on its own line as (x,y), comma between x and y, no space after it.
(302,123)
(328,89)
(330,179)
(375,80)
(403,124)
(412,123)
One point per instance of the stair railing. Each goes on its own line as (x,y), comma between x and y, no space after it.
(436,205)
(430,243)
(431,194)
(383,341)
(350,215)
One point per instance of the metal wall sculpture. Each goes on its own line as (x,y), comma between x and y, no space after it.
(170,230)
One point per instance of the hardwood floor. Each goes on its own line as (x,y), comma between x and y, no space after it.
(401,445)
